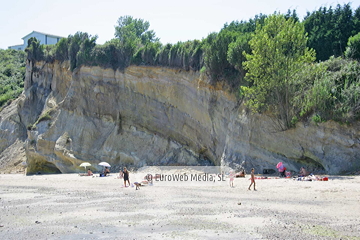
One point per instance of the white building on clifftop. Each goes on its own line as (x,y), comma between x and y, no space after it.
(44,38)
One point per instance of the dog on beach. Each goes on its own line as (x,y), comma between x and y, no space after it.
(137,185)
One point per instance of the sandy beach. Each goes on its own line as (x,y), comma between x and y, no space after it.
(67,206)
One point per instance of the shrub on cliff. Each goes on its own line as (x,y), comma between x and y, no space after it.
(162,56)
(146,54)
(353,47)
(61,49)
(85,54)
(236,52)
(216,46)
(191,55)
(186,55)
(107,55)
(223,51)
(331,90)
(12,73)
(80,49)
(34,50)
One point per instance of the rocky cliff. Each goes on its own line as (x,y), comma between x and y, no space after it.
(156,116)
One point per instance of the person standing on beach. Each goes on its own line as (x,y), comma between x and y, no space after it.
(252,179)
(126,176)
(231,176)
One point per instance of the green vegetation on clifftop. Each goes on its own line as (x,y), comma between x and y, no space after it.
(279,65)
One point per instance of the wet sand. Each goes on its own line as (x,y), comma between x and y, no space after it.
(67,206)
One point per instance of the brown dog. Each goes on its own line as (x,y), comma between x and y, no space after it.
(137,185)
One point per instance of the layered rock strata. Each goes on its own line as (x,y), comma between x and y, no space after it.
(157,116)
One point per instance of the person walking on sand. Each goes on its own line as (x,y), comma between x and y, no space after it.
(231,176)
(126,176)
(252,179)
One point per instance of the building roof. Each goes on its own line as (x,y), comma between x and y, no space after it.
(51,35)
(19,45)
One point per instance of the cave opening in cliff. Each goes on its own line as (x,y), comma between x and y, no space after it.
(40,166)
(311,164)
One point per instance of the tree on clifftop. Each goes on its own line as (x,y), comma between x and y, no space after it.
(130,29)
(130,35)
(278,53)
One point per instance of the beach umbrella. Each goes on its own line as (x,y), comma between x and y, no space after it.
(85,164)
(280,166)
(104,164)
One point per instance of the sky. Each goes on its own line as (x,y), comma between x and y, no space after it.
(172,21)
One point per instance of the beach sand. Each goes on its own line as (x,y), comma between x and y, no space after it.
(67,206)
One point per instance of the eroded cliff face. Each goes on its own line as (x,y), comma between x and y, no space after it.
(158,116)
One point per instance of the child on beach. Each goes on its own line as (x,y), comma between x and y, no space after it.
(252,179)
(231,176)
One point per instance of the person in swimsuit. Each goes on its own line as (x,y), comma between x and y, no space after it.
(231,176)
(126,176)
(106,171)
(252,179)
(303,172)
